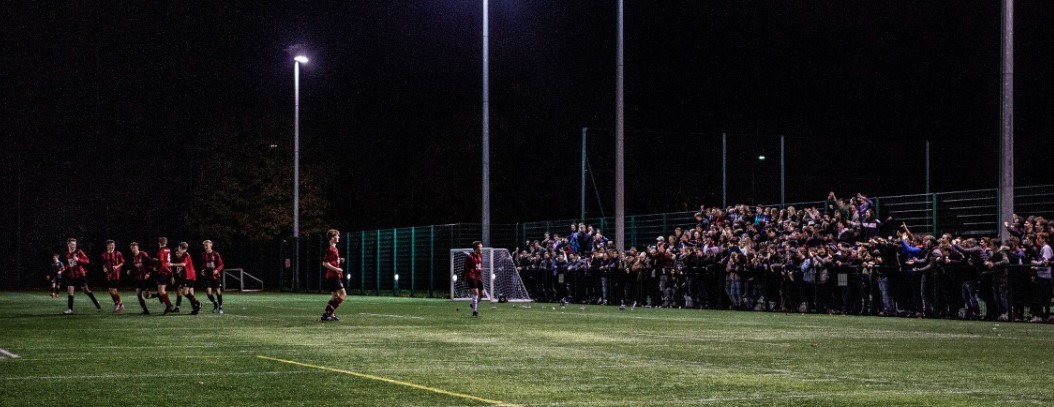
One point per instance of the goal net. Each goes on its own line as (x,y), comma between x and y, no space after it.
(500,278)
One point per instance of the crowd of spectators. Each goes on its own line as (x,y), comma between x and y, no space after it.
(838,259)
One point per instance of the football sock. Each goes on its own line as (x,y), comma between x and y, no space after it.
(333,304)
(93,300)
(69,302)
(179,300)
(219,298)
(117,299)
(193,301)
(213,299)
(475,302)
(142,303)
(166,300)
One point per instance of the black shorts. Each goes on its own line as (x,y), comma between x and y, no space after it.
(333,284)
(113,283)
(209,283)
(77,282)
(57,281)
(471,283)
(145,284)
(163,279)
(186,283)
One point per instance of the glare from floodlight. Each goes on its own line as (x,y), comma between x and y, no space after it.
(761,157)
(396,277)
(301,59)
(454,277)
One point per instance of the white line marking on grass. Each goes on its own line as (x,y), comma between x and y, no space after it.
(759,398)
(8,353)
(389,315)
(392,381)
(136,375)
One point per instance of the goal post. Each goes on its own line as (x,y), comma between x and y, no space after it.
(500,278)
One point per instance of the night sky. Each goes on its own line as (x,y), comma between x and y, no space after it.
(104,104)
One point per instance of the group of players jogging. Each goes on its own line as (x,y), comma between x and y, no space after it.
(166,270)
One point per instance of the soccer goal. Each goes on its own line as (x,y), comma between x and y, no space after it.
(500,278)
(245,281)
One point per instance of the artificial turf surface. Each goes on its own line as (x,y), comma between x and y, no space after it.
(271,349)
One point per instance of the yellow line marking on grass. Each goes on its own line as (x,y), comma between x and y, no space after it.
(392,381)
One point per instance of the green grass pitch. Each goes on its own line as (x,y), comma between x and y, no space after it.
(271,349)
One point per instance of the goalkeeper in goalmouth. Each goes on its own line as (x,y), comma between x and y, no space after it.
(474,274)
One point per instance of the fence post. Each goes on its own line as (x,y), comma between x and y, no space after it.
(664,226)
(395,261)
(320,255)
(877,206)
(362,263)
(377,291)
(933,205)
(633,230)
(413,259)
(432,260)
(347,252)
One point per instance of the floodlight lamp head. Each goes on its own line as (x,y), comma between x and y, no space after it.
(301,59)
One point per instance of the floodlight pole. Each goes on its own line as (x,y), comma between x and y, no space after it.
(485,232)
(1006,145)
(296,172)
(620,162)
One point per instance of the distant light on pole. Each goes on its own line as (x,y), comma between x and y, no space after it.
(301,59)
(761,157)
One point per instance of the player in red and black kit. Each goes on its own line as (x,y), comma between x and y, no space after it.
(112,261)
(212,266)
(334,277)
(190,277)
(75,275)
(164,272)
(474,275)
(141,265)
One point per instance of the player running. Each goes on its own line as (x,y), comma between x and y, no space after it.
(55,276)
(164,272)
(186,288)
(474,275)
(76,276)
(141,266)
(112,261)
(334,276)
(212,266)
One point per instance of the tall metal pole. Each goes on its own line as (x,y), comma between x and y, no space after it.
(724,170)
(783,173)
(620,164)
(582,186)
(296,173)
(1006,146)
(485,238)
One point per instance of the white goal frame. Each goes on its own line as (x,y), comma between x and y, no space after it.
(487,272)
(241,276)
